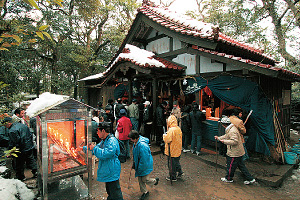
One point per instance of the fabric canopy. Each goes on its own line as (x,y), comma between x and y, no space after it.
(248,96)
(120,91)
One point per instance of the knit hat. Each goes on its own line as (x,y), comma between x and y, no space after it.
(122,111)
(225,120)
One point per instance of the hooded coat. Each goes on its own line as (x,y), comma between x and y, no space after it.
(239,124)
(232,139)
(143,161)
(174,137)
(109,166)
(20,137)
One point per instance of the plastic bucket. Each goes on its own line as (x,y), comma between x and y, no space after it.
(296,150)
(290,158)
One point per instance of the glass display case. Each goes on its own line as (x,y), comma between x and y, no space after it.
(62,131)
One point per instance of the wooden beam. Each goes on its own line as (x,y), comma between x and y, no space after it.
(156,38)
(173,54)
(197,66)
(242,65)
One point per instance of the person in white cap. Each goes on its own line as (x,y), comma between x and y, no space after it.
(235,152)
(147,119)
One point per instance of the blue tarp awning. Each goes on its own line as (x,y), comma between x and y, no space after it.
(248,96)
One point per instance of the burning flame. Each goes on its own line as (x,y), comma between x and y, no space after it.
(63,142)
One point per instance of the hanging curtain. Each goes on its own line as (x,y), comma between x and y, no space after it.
(248,96)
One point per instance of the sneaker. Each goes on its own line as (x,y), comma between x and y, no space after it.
(144,196)
(226,181)
(198,153)
(249,182)
(157,179)
(180,175)
(185,150)
(193,151)
(173,179)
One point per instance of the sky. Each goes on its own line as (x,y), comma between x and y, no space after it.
(181,6)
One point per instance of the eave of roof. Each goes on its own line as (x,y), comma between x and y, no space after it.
(189,26)
(282,72)
(138,57)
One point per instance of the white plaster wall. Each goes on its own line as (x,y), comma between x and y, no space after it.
(176,44)
(187,60)
(159,46)
(207,66)
(231,67)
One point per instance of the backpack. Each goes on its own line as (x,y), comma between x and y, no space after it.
(122,157)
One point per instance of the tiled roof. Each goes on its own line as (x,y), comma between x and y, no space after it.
(144,58)
(189,26)
(139,57)
(285,72)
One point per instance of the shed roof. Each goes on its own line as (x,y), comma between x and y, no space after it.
(139,57)
(47,101)
(227,48)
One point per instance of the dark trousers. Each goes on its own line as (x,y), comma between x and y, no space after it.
(186,139)
(159,134)
(127,147)
(176,167)
(196,142)
(147,131)
(236,162)
(113,190)
(19,163)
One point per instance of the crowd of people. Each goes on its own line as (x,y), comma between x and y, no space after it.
(16,132)
(177,130)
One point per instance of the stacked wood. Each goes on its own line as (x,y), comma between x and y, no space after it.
(281,143)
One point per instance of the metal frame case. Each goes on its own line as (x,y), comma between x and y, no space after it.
(67,111)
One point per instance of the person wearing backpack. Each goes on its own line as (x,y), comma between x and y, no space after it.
(109,166)
(142,162)
(124,127)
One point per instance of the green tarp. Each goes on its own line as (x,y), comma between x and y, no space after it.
(248,96)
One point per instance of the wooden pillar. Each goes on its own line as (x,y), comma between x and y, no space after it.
(129,91)
(154,104)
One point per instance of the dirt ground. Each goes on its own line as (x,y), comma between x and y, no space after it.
(201,181)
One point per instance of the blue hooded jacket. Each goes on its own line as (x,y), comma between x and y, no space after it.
(142,157)
(109,166)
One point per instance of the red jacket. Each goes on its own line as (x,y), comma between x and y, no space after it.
(124,128)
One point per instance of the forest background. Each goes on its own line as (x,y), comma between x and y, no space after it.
(48,45)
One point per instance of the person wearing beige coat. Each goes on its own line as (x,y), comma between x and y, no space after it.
(235,152)
(173,137)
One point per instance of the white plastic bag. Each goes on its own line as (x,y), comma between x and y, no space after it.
(117,132)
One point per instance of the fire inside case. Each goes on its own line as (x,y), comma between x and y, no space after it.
(62,131)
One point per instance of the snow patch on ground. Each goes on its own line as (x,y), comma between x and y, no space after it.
(14,189)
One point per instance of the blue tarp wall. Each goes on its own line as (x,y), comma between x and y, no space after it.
(248,96)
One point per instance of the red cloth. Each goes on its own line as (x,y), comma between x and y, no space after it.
(124,128)
(208,91)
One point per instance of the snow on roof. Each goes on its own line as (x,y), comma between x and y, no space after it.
(45,100)
(206,29)
(188,26)
(138,56)
(95,76)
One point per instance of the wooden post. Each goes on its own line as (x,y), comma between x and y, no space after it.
(129,90)
(154,104)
